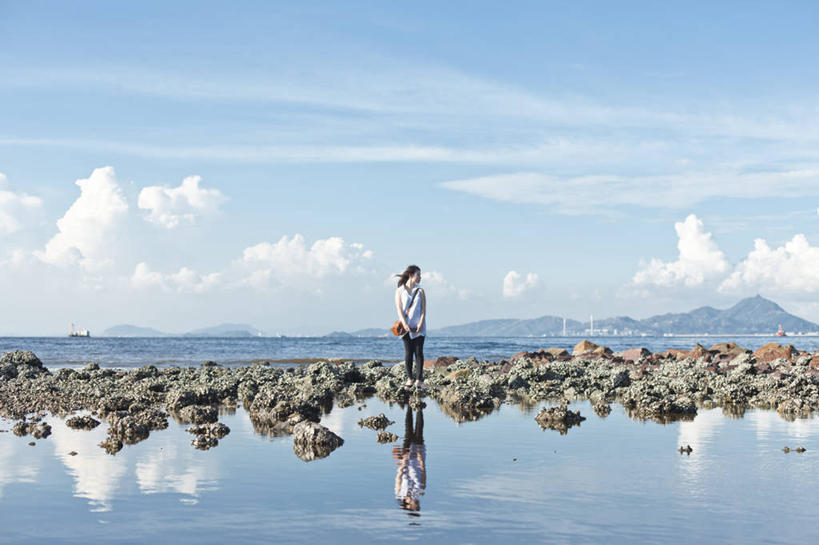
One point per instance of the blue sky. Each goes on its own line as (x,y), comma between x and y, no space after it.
(534,158)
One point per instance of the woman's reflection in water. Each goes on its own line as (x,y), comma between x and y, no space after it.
(411,478)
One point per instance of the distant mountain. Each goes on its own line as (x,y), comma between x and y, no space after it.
(754,315)
(372,332)
(127,330)
(545,325)
(751,315)
(226,330)
(339,334)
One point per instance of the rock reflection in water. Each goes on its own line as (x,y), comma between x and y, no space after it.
(411,458)
(639,416)
(464,413)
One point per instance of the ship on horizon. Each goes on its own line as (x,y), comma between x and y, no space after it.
(77,332)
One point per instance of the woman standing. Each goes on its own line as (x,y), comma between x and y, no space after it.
(411,304)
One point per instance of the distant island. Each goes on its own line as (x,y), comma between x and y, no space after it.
(221,330)
(751,316)
(128,330)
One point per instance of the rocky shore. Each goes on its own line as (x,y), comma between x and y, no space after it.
(281,401)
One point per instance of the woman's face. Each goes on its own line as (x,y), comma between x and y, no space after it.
(417,277)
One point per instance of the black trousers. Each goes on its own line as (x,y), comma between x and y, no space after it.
(414,347)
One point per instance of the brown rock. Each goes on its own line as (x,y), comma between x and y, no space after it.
(557,352)
(635,354)
(774,351)
(677,354)
(440,362)
(584,347)
(603,352)
(814,362)
(699,352)
(732,349)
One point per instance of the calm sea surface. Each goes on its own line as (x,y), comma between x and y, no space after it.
(134,352)
(498,480)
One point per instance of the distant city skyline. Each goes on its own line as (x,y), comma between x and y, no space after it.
(181,165)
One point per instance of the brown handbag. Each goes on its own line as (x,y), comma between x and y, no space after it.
(397,327)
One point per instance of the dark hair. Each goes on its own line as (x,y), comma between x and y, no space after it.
(404,276)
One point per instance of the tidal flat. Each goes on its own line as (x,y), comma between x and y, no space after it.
(548,446)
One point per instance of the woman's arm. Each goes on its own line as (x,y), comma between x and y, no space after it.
(399,475)
(400,310)
(423,309)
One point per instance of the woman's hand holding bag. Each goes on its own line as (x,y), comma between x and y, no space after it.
(398,328)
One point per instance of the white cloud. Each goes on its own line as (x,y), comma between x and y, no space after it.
(86,230)
(589,194)
(184,280)
(793,267)
(700,259)
(290,258)
(390,89)
(13,205)
(169,207)
(438,285)
(515,284)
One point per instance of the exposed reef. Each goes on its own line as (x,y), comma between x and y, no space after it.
(662,386)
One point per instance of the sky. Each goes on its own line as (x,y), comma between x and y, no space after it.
(179,165)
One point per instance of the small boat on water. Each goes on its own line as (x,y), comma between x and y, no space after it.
(781,332)
(77,332)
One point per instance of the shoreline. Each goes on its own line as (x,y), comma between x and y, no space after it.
(283,400)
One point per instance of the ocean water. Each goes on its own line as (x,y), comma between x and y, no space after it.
(134,352)
(500,479)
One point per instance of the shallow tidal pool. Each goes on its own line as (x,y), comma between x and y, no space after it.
(502,478)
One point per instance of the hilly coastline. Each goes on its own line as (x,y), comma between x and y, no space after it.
(750,316)
(222,330)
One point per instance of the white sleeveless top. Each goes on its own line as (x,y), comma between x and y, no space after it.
(414,312)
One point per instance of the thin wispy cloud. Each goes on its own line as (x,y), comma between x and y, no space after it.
(589,194)
(405,89)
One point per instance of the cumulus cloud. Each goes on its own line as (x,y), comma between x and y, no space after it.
(85,231)
(793,267)
(291,258)
(436,282)
(700,259)
(515,284)
(13,205)
(183,281)
(169,207)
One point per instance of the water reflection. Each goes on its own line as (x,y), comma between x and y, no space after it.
(177,469)
(411,457)
(17,463)
(768,424)
(97,476)
(166,464)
